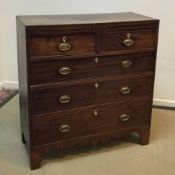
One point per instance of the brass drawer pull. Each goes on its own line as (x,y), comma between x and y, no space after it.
(126,63)
(128,41)
(124,117)
(65,70)
(125,90)
(65,99)
(64,46)
(64,128)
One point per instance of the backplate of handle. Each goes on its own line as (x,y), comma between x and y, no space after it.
(64,45)
(64,128)
(128,41)
(65,70)
(125,90)
(65,98)
(124,117)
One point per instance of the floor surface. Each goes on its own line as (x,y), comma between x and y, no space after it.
(6,95)
(118,158)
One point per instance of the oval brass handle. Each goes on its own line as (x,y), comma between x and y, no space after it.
(126,63)
(64,46)
(65,70)
(65,128)
(128,41)
(125,90)
(65,98)
(124,117)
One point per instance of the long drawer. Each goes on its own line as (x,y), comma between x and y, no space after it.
(90,92)
(80,68)
(88,121)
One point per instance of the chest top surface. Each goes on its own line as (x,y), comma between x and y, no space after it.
(44,20)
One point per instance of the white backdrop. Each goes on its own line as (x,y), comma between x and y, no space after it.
(164,10)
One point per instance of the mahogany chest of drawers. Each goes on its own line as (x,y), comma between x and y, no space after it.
(84,79)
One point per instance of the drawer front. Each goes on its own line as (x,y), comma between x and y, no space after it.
(91,92)
(87,121)
(61,45)
(80,68)
(131,40)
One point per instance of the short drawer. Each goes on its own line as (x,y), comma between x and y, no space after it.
(80,68)
(88,121)
(130,40)
(90,92)
(61,45)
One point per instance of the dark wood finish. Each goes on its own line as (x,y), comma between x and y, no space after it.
(84,121)
(46,46)
(23,84)
(48,71)
(84,93)
(39,151)
(144,136)
(97,112)
(52,20)
(114,41)
(36,156)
